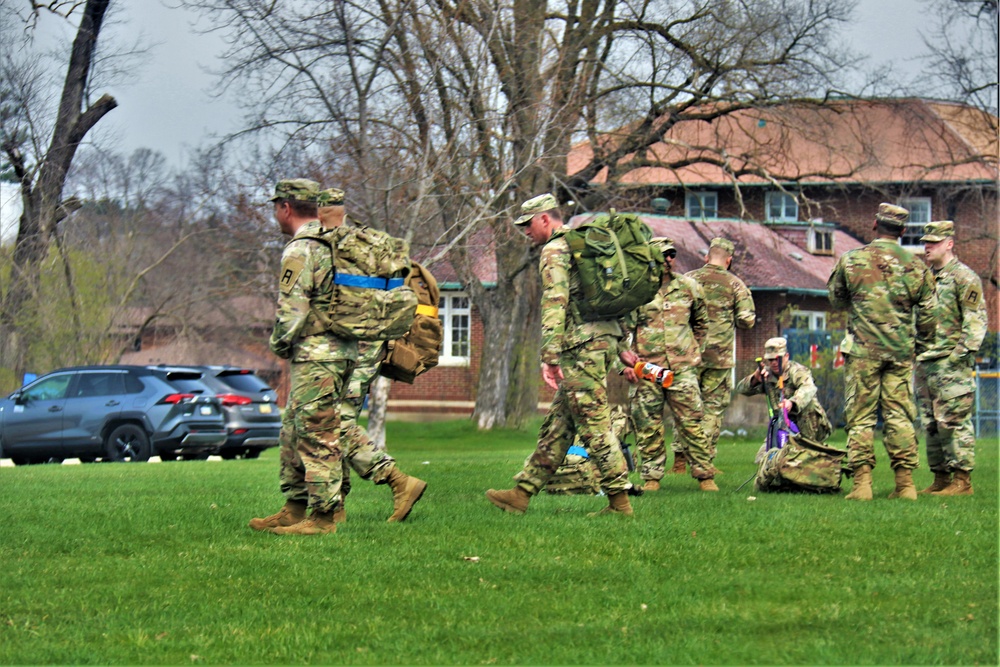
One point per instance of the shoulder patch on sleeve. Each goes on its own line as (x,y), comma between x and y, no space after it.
(290,270)
(972,297)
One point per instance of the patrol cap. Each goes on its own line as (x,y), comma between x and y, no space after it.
(536,205)
(891,214)
(330,197)
(724,244)
(663,243)
(938,231)
(775,347)
(299,189)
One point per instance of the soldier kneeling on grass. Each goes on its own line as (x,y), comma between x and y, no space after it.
(795,455)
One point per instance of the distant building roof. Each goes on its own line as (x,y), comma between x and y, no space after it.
(843,141)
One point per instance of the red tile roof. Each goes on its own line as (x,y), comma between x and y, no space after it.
(845,141)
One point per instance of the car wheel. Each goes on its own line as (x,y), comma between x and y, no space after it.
(87,459)
(21,460)
(128,442)
(230,454)
(195,456)
(252,454)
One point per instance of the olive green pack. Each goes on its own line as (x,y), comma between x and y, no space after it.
(418,350)
(370,299)
(618,268)
(801,465)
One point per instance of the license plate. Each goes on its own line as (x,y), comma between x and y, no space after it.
(265,409)
(206,410)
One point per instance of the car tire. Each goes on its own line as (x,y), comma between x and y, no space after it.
(127,442)
(252,453)
(230,454)
(21,460)
(195,456)
(168,456)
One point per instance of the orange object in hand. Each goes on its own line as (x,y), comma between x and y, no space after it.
(656,374)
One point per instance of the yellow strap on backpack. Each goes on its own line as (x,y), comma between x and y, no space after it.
(429,311)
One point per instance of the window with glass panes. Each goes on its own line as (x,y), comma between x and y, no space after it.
(781,207)
(455,313)
(813,320)
(702,205)
(920,215)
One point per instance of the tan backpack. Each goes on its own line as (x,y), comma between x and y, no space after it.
(418,350)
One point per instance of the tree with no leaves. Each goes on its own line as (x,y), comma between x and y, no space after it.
(475,105)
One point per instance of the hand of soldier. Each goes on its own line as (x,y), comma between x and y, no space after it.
(629,358)
(787,405)
(552,375)
(630,375)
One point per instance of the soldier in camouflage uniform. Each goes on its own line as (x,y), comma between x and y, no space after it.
(882,285)
(321,365)
(667,333)
(798,389)
(576,357)
(945,385)
(370,461)
(730,307)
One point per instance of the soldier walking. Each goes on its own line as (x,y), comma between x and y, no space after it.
(321,365)
(730,307)
(667,333)
(576,356)
(945,384)
(882,285)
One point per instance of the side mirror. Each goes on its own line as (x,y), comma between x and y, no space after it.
(19,398)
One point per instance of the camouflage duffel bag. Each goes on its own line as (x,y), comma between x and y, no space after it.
(578,475)
(801,465)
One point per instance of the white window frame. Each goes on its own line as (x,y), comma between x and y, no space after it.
(447,310)
(814,247)
(915,227)
(701,196)
(816,319)
(787,201)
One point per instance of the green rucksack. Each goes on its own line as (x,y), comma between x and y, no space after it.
(619,270)
(800,465)
(370,298)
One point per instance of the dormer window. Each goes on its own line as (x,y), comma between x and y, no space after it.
(820,241)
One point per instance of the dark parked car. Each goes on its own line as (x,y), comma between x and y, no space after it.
(116,413)
(253,419)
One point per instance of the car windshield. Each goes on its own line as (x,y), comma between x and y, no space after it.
(244,381)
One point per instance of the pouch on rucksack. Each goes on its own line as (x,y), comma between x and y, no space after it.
(800,465)
(370,299)
(618,268)
(418,350)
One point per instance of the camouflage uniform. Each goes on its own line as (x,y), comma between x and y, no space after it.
(668,329)
(881,285)
(367,459)
(808,414)
(321,365)
(584,352)
(945,383)
(729,307)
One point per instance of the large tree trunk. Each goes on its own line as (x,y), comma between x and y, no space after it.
(41,191)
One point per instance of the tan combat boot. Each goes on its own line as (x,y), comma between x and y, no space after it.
(904,485)
(941,480)
(293,512)
(406,491)
(317,523)
(707,484)
(680,464)
(651,485)
(862,484)
(513,500)
(618,503)
(961,485)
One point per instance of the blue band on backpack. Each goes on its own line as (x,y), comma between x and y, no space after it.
(578,451)
(369,282)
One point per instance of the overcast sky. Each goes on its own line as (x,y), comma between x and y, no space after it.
(171,109)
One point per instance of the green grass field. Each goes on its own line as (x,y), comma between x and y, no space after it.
(154,564)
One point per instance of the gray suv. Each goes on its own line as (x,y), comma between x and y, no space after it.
(115,413)
(253,419)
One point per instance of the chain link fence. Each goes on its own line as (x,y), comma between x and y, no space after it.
(987,409)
